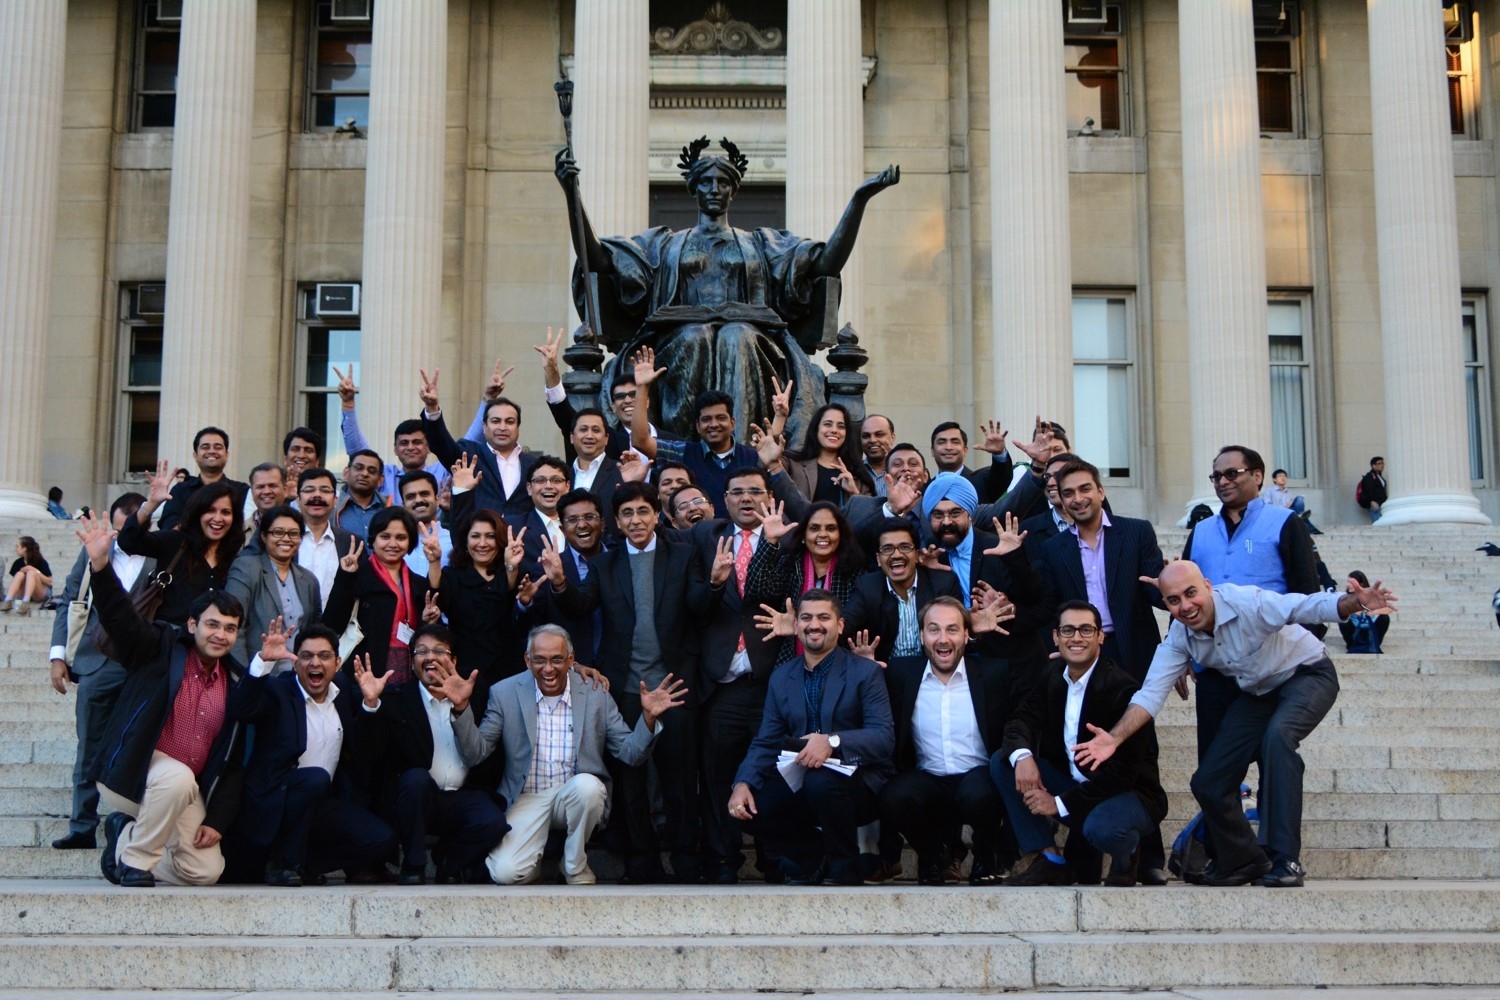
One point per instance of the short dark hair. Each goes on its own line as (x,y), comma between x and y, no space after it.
(269,518)
(628,492)
(1358,576)
(1077,606)
(1377,458)
(712,397)
(587,411)
(573,497)
(127,502)
(625,376)
(229,606)
(437,630)
(820,596)
(500,401)
(948,425)
(660,468)
(905,446)
(418,476)
(1078,466)
(1279,472)
(385,515)
(946,602)
(1058,431)
(1064,456)
(891,525)
(551,462)
(368,453)
(211,430)
(410,426)
(316,472)
(669,502)
(275,467)
(317,630)
(307,434)
(1253,461)
(747,471)
(55,494)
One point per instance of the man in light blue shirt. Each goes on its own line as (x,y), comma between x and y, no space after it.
(1286,684)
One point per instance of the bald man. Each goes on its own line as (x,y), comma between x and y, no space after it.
(1286,685)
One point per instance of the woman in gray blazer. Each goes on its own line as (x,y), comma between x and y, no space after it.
(271,585)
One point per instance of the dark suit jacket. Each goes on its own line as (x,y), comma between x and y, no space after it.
(1130,552)
(856,706)
(585,631)
(872,606)
(404,738)
(606,481)
(482,615)
(1013,575)
(88,659)
(1039,529)
(489,492)
(275,706)
(1037,725)
(733,615)
(171,511)
(988,689)
(377,612)
(562,414)
(684,600)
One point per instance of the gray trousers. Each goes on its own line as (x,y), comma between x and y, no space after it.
(93,701)
(1271,726)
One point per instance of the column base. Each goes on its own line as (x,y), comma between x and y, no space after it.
(1435,508)
(1211,501)
(22,503)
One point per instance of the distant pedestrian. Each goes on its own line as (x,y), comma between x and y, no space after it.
(1370,493)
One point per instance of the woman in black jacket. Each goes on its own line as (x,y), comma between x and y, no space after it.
(821,551)
(477,593)
(195,556)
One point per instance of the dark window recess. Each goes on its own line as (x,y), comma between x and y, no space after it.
(756,206)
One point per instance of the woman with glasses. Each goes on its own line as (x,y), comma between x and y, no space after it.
(270,584)
(476,593)
(830,466)
(820,552)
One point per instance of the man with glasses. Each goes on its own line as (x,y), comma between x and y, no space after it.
(361,493)
(885,601)
(323,543)
(1116,806)
(685,507)
(555,779)
(426,787)
(546,482)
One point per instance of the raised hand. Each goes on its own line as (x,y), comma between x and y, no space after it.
(564,166)
(457,690)
(552,565)
(860,644)
(431,613)
(495,388)
(349,561)
(515,549)
(1038,449)
(445,495)
(646,371)
(347,389)
(773,526)
(526,590)
(988,618)
(769,446)
(273,647)
(776,624)
(931,556)
(901,494)
(1094,752)
(98,537)
(846,480)
(1376,599)
(992,437)
(889,177)
(432,542)
(781,405)
(370,686)
(1009,535)
(549,351)
(465,475)
(655,703)
(161,483)
(723,562)
(429,390)
(632,469)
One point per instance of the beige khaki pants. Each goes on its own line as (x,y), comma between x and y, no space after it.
(576,806)
(160,840)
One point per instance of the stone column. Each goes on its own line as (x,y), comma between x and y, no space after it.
(31,91)
(825,127)
(612,114)
(1031,268)
(402,285)
(1225,243)
(1416,222)
(208,224)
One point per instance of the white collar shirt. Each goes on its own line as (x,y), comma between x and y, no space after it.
(1073,714)
(584,475)
(325,731)
(944,727)
(447,770)
(320,557)
(510,467)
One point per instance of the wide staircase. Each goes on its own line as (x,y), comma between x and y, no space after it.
(1401,830)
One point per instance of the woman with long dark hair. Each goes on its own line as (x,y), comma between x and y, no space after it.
(476,593)
(830,466)
(820,552)
(30,578)
(194,556)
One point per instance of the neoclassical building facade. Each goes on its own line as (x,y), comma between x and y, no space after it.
(1168,225)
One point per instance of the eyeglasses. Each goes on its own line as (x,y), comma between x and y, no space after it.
(945,516)
(620,397)
(548,661)
(1082,631)
(431,651)
(738,492)
(550,481)
(905,548)
(322,656)
(1228,474)
(317,490)
(690,504)
(577,519)
(277,534)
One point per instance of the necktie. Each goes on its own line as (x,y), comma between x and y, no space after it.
(742,572)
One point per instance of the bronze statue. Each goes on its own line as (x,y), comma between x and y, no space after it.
(723,308)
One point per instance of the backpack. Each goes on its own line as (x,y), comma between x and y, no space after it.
(1364,638)
(1189,854)
(1359,495)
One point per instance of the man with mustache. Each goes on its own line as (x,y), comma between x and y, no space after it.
(323,543)
(419,494)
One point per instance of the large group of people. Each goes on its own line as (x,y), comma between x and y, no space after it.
(476,661)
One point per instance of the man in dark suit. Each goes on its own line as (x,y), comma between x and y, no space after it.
(564,413)
(653,594)
(99,677)
(211,453)
(1043,527)
(425,783)
(1117,806)
(546,482)
(949,711)
(504,464)
(1101,560)
(297,821)
(885,602)
(590,468)
(583,527)
(950,451)
(829,705)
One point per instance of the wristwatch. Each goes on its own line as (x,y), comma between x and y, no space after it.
(833,741)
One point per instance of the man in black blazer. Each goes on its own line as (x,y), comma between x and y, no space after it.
(583,527)
(505,465)
(546,482)
(885,602)
(1119,805)
(297,821)
(589,467)
(425,784)
(1041,528)
(654,598)
(949,710)
(1119,550)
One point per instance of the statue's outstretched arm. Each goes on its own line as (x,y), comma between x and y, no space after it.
(836,251)
(584,240)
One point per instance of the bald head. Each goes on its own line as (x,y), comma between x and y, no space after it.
(1188,596)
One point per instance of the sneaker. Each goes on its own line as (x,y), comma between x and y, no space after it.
(23,608)
(1288,874)
(1042,871)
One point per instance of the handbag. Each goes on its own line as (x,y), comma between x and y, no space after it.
(78,615)
(147,603)
(353,635)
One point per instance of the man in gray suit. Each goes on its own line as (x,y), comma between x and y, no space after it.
(98,677)
(555,729)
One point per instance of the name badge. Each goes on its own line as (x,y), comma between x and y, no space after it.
(404,633)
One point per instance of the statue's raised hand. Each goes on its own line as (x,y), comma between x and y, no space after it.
(564,166)
(889,177)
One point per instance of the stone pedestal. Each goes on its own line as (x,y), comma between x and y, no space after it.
(31,88)
(1416,219)
(209,224)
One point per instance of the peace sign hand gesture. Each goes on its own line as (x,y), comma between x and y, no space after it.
(549,352)
(347,389)
(429,391)
(723,562)
(349,561)
(496,386)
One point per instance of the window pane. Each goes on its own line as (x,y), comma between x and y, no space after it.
(329,347)
(1099,329)
(1275,93)
(159,111)
(343,62)
(329,112)
(1101,417)
(1471,334)
(1289,419)
(145,356)
(145,421)
(1273,55)
(324,416)
(1476,427)
(159,61)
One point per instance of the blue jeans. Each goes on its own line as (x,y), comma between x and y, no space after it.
(1115,826)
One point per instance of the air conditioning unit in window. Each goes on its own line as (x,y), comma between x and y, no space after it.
(169,11)
(149,302)
(1086,12)
(336,299)
(351,10)
(1458,20)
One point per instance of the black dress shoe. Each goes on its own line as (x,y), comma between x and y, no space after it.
(1044,872)
(981,874)
(1243,875)
(113,824)
(1288,874)
(412,876)
(286,878)
(135,878)
(75,842)
(1122,870)
(931,872)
